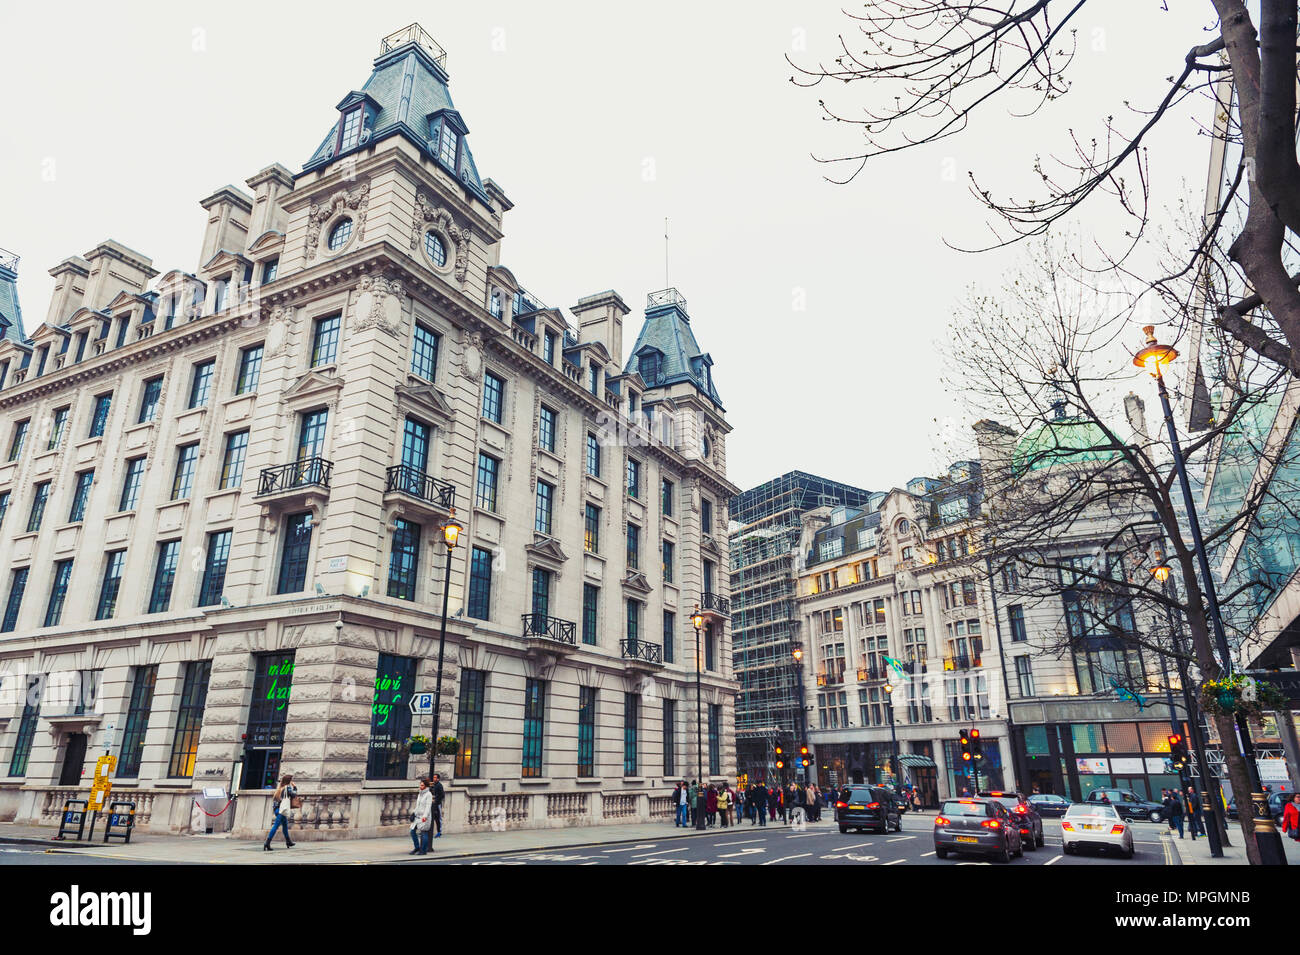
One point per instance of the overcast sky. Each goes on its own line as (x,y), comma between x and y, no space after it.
(822,305)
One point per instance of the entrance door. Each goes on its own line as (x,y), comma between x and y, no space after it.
(74,760)
(926,781)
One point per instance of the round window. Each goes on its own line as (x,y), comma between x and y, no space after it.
(340,234)
(435,249)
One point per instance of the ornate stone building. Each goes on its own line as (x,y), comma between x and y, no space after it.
(222,494)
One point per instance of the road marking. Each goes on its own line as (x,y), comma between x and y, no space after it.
(895,862)
(924,854)
(900,838)
(742,852)
(803,835)
(1054,859)
(739,842)
(860,845)
(648,845)
(784,858)
(640,855)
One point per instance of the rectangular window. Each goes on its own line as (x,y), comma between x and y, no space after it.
(232,462)
(57,427)
(415,449)
(201,383)
(1025,677)
(591,529)
(668,562)
(710,660)
(187,459)
(189,719)
(250,369)
(137,722)
(534,728)
(494,389)
(20,437)
(670,737)
(214,569)
(17,587)
(311,434)
(548,347)
(424,352)
(715,738)
(878,610)
(541,598)
(131,484)
(270,268)
(706,516)
(545,502)
(633,624)
(594,379)
(112,583)
(1016,618)
(485,488)
(99,416)
(221,294)
(27,727)
(81,496)
(631,707)
(633,547)
(149,399)
(37,513)
(593,455)
(4,506)
(968,592)
(350,132)
(590,602)
(404,562)
(58,592)
(667,497)
(390,717)
(480,584)
(164,576)
(586,732)
(469,722)
(633,477)
(448,145)
(670,634)
(546,429)
(293,560)
(325,340)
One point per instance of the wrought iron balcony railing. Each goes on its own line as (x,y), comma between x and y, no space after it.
(309,472)
(405,479)
(641,650)
(834,678)
(960,662)
(866,674)
(715,603)
(540,626)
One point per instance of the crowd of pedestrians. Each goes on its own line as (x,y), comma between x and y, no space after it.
(727,805)
(1177,805)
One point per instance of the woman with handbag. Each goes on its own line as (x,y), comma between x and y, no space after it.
(421,819)
(1291,818)
(283,799)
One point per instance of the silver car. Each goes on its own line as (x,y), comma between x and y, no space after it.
(981,826)
(1096,826)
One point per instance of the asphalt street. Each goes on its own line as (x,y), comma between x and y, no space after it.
(818,844)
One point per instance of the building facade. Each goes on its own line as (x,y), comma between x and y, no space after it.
(222,500)
(766,525)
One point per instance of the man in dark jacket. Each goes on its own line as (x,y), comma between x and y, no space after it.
(1174,810)
(439,794)
(1195,821)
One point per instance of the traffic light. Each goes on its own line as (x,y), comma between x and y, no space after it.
(804,759)
(965,748)
(780,758)
(976,747)
(1178,754)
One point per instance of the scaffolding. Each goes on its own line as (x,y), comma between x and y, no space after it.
(766,522)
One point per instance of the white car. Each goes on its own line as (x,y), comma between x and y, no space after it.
(1089,825)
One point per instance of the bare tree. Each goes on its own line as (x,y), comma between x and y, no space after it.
(1081,500)
(932,66)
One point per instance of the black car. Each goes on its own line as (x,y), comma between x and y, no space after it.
(1276,805)
(860,807)
(1049,804)
(1130,806)
(1023,814)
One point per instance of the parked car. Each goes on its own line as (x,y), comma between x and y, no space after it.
(1276,804)
(1096,825)
(1130,806)
(1023,814)
(860,807)
(1049,804)
(976,825)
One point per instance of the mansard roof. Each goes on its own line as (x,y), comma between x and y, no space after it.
(667,332)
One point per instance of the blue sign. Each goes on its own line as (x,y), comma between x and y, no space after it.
(422,704)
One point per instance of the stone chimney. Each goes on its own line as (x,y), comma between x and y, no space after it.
(114,268)
(600,319)
(229,213)
(269,187)
(70,277)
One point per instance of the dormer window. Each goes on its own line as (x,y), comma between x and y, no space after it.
(222,294)
(448,145)
(350,128)
(446,134)
(495,304)
(650,366)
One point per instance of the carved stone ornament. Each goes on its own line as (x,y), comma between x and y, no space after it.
(472,360)
(378,304)
(429,215)
(357,200)
(277,333)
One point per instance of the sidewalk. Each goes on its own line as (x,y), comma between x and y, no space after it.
(1198,852)
(220,850)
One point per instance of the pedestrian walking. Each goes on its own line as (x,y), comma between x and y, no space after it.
(1195,821)
(1291,818)
(281,802)
(439,794)
(422,819)
(711,805)
(724,805)
(760,803)
(1174,808)
(691,795)
(683,808)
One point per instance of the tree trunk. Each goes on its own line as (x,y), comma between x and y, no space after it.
(1240,778)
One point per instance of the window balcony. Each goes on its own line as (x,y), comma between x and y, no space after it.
(551,633)
(296,478)
(715,605)
(870,674)
(640,652)
(961,662)
(830,679)
(427,493)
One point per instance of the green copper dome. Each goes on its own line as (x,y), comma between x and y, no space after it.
(1063,441)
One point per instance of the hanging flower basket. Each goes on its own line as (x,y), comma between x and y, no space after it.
(1241,694)
(418,744)
(448,746)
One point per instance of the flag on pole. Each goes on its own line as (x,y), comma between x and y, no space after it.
(899,673)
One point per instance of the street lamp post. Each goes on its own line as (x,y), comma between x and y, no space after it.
(1153,357)
(797,653)
(451,529)
(893,735)
(697,620)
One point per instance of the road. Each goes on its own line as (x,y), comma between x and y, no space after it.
(817,844)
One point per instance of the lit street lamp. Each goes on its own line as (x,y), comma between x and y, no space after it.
(451,529)
(1153,357)
(697,620)
(893,734)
